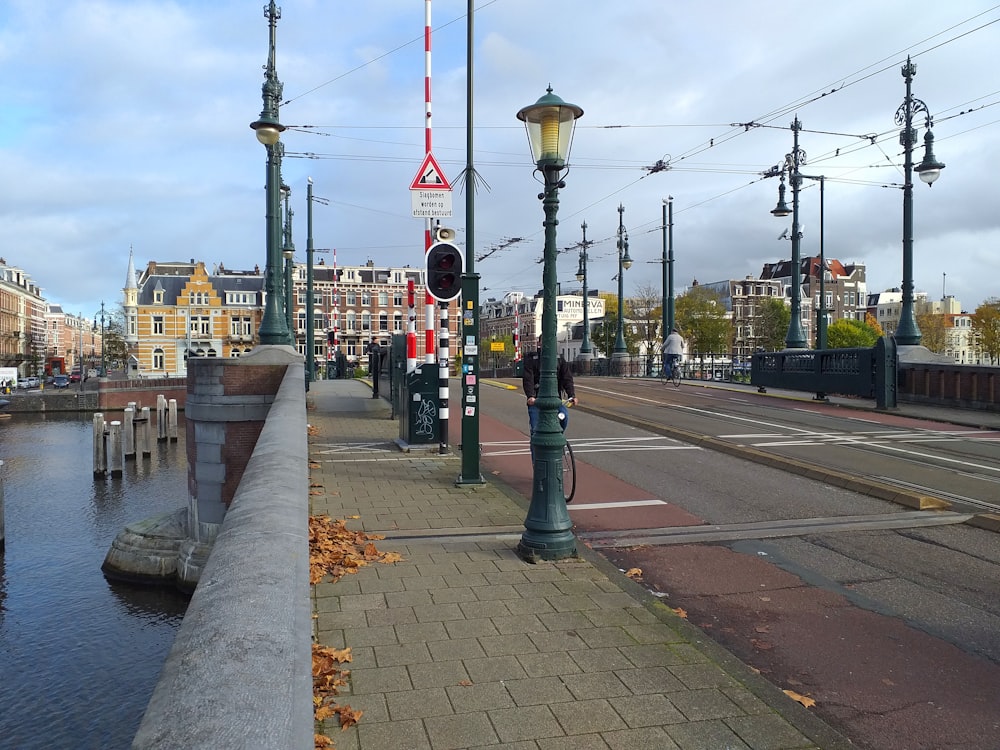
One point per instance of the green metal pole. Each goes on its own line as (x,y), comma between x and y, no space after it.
(310,301)
(273,330)
(620,351)
(796,337)
(585,348)
(470,404)
(288,251)
(907,332)
(548,530)
(670,264)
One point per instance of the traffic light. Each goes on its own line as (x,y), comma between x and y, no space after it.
(444,271)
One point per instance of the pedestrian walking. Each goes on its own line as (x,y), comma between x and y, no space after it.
(374,365)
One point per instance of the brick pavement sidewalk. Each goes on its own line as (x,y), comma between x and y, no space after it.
(464,645)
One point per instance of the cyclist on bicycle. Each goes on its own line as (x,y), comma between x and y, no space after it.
(673,348)
(529,382)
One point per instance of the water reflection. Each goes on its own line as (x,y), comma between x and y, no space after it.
(79,656)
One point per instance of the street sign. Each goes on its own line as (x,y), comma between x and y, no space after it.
(430,191)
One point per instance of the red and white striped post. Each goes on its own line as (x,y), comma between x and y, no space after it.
(411,327)
(443,379)
(428,231)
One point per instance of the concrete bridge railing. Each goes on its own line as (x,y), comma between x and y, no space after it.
(239,673)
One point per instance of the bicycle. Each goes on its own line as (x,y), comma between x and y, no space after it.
(568,460)
(671,373)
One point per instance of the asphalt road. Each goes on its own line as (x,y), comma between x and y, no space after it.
(887,616)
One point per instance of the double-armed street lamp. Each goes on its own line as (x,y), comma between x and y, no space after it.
(907,333)
(581,276)
(288,252)
(796,337)
(548,530)
(624,262)
(273,327)
(668,271)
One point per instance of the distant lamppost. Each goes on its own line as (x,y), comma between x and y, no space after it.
(548,530)
(102,372)
(273,329)
(581,275)
(907,333)
(288,251)
(310,301)
(668,271)
(796,337)
(624,262)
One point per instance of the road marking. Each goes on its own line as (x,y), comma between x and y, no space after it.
(771,529)
(621,504)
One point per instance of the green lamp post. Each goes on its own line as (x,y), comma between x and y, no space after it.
(907,333)
(310,290)
(548,530)
(288,253)
(581,275)
(624,263)
(273,329)
(796,336)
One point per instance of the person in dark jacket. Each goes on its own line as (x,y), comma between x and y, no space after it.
(529,382)
(374,365)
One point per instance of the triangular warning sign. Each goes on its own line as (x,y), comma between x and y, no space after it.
(430,176)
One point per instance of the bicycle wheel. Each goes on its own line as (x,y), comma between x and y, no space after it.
(675,376)
(569,473)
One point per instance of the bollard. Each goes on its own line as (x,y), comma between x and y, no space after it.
(172,420)
(146,439)
(128,438)
(1,509)
(115,449)
(161,418)
(100,447)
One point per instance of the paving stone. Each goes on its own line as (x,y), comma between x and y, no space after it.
(767,732)
(499,645)
(421,632)
(706,675)
(700,705)
(525,723)
(598,637)
(437,612)
(650,680)
(470,628)
(453,595)
(645,738)
(592,685)
(646,710)
(438,674)
(705,735)
(481,697)
(418,704)
(394,654)
(600,659)
(456,648)
(380,680)
(394,735)
(578,742)
(587,717)
(494,669)
(510,624)
(538,691)
(370,636)
(460,732)
(396,616)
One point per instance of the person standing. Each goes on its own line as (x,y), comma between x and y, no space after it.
(529,382)
(374,365)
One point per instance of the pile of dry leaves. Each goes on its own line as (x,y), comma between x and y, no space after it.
(333,551)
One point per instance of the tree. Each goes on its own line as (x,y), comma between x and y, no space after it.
(850,334)
(645,309)
(874,324)
(933,331)
(700,316)
(770,324)
(605,334)
(986,328)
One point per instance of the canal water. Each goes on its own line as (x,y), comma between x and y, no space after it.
(79,655)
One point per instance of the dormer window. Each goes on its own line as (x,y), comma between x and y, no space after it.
(158,297)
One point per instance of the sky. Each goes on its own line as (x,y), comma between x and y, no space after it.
(125,127)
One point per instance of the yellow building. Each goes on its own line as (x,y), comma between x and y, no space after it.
(178,310)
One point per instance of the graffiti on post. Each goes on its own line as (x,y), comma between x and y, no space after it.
(425,417)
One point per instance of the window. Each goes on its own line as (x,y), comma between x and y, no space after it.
(200,326)
(350,320)
(158,297)
(158,359)
(366,321)
(240,326)
(352,299)
(157,326)
(397,321)
(366,298)
(383,299)
(397,298)
(383,321)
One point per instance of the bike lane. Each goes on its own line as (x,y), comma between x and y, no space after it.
(882,682)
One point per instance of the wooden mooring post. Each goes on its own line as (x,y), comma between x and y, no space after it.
(116,454)
(145,434)
(172,420)
(100,446)
(161,418)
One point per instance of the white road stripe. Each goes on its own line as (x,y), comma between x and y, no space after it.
(622,504)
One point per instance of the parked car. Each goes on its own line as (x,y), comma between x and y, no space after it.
(60,381)
(74,377)
(30,381)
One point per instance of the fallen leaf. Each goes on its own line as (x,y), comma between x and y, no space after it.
(465,683)
(348,716)
(322,741)
(634,573)
(680,612)
(761,645)
(803,699)
(762,629)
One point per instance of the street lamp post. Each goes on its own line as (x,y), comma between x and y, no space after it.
(548,530)
(907,333)
(310,302)
(581,275)
(102,372)
(796,337)
(668,271)
(288,252)
(273,329)
(624,262)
